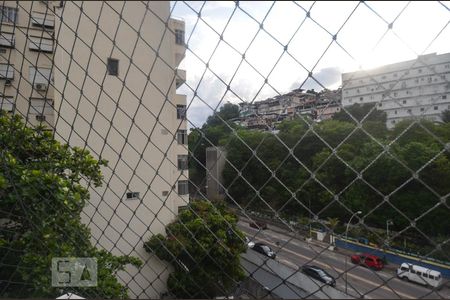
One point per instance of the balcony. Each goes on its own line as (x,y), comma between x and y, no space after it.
(181,77)
(177,26)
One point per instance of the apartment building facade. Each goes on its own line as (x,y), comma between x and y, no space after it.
(418,88)
(108,74)
(26,59)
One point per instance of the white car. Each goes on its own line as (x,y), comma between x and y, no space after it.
(249,243)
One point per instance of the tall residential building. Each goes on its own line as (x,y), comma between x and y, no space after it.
(104,76)
(418,88)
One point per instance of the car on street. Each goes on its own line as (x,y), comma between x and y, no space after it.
(264,249)
(258,225)
(319,274)
(249,243)
(368,260)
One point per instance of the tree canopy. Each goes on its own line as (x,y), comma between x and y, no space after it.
(41,201)
(204,245)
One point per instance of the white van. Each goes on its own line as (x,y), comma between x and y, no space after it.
(419,275)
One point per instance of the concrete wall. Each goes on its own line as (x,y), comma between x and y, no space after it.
(394,257)
(215,163)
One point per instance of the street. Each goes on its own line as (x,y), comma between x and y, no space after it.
(361,281)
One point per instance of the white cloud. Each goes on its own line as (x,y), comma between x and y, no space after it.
(363,40)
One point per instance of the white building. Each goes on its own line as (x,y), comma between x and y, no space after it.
(103,76)
(418,88)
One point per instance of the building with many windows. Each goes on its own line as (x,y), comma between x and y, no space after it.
(418,88)
(103,76)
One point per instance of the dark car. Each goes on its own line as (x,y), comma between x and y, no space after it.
(258,225)
(319,274)
(264,249)
(368,260)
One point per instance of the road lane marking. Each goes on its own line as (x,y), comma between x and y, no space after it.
(311,247)
(348,274)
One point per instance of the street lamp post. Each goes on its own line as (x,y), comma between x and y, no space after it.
(346,241)
(388,222)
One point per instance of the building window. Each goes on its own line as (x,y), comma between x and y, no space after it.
(436,107)
(113,66)
(404,101)
(416,80)
(383,77)
(183,187)
(40,44)
(7,104)
(380,104)
(6,71)
(182,137)
(132,195)
(8,14)
(43,19)
(395,112)
(395,75)
(181,112)
(7,39)
(420,70)
(40,75)
(393,121)
(179,37)
(361,98)
(422,109)
(182,162)
(444,96)
(395,94)
(406,72)
(447,66)
(40,106)
(409,110)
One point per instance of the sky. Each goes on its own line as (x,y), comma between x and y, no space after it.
(259,49)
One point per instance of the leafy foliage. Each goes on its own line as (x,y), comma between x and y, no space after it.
(203,244)
(213,133)
(41,201)
(265,163)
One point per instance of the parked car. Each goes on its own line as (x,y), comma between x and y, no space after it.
(319,274)
(368,260)
(419,275)
(249,243)
(258,225)
(264,249)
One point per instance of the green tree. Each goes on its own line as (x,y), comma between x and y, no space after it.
(204,246)
(41,201)
(360,112)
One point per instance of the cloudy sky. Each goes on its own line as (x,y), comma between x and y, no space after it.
(242,46)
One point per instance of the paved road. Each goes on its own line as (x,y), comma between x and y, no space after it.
(361,281)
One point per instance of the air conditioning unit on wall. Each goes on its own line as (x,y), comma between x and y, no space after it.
(8,82)
(40,118)
(40,86)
